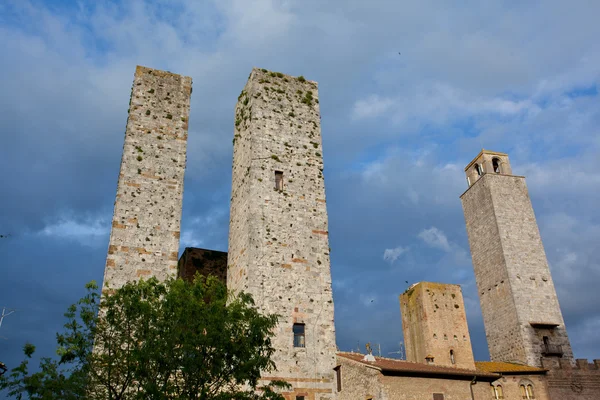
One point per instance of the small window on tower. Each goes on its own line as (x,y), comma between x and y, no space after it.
(452,357)
(478,169)
(496,165)
(279,180)
(299,335)
(300,397)
(338,376)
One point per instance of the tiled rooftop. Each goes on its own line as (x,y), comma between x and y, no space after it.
(393,366)
(504,367)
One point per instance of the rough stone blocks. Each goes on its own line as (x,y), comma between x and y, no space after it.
(521,314)
(144,239)
(278,236)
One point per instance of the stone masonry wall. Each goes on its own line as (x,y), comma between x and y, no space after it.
(495,293)
(511,270)
(358,381)
(434,323)
(144,239)
(278,239)
(580,381)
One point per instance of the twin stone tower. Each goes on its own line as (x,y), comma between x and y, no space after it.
(278,230)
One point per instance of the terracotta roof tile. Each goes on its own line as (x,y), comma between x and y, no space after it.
(393,366)
(504,367)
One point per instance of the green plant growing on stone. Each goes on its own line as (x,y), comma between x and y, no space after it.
(317,154)
(274,157)
(151,91)
(139,171)
(291,114)
(139,158)
(147,112)
(301,79)
(183,119)
(169,116)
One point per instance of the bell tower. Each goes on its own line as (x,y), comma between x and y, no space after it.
(521,314)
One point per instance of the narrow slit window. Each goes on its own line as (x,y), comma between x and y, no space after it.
(452,357)
(338,376)
(299,338)
(279,180)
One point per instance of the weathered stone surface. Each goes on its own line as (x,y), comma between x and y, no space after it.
(147,213)
(516,290)
(573,382)
(278,242)
(434,323)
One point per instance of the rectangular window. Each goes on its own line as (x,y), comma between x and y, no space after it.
(298,335)
(438,396)
(300,397)
(279,180)
(338,376)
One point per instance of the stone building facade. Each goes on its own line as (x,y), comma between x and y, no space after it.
(144,239)
(435,325)
(278,236)
(521,314)
(379,378)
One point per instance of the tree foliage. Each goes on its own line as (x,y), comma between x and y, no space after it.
(155,340)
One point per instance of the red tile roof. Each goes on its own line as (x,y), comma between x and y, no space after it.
(401,367)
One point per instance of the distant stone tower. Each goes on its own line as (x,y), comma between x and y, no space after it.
(522,317)
(435,327)
(144,239)
(278,238)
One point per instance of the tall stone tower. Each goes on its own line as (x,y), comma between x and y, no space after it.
(144,239)
(522,317)
(435,327)
(278,238)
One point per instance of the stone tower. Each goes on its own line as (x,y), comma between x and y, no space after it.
(278,238)
(521,314)
(435,327)
(144,239)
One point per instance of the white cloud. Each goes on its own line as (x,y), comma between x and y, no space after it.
(87,231)
(435,238)
(391,255)
(372,106)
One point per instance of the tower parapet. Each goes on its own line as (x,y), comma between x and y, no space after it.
(144,239)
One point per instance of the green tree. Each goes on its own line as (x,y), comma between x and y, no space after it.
(156,340)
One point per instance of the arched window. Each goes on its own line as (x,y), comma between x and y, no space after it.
(527,391)
(478,169)
(497,392)
(496,165)
(452,357)
(530,394)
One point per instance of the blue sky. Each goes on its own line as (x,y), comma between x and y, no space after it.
(398,130)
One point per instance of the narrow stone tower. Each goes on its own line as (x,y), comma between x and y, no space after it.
(278,238)
(435,326)
(521,314)
(144,239)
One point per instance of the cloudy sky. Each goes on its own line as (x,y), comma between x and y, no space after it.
(398,130)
